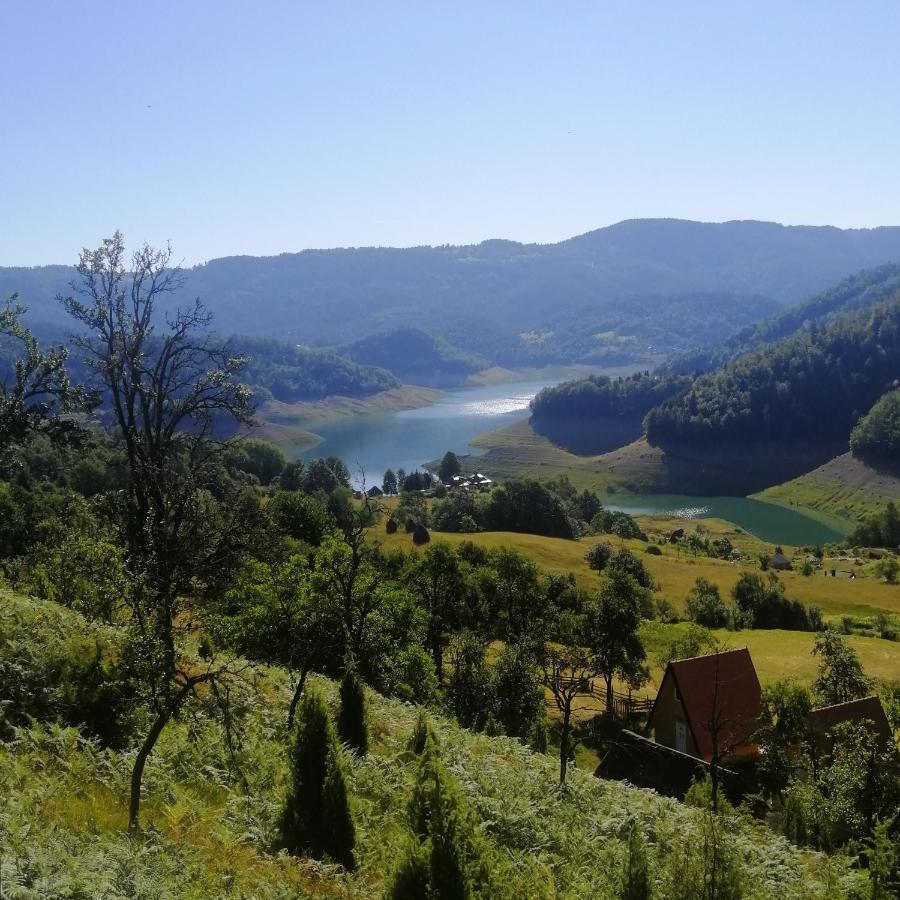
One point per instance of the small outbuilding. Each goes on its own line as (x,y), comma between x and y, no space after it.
(780,562)
(866,711)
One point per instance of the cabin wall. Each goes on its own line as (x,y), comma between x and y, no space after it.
(666,713)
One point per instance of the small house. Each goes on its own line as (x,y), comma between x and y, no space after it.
(780,562)
(375,491)
(708,706)
(867,710)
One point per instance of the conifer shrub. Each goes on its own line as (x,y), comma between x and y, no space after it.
(422,733)
(316,817)
(352,721)
(449,861)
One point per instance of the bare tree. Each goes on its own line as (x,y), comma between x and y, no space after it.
(167,384)
(567,672)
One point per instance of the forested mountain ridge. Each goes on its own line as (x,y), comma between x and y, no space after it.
(596,297)
(859,291)
(813,386)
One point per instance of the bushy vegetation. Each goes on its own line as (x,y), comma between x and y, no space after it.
(213,809)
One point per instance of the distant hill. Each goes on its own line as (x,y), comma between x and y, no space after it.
(415,356)
(598,297)
(288,373)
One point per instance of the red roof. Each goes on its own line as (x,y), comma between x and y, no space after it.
(826,717)
(720,690)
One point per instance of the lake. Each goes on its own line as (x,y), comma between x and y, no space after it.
(408,439)
(412,437)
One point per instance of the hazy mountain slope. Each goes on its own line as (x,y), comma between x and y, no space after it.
(501,288)
(862,290)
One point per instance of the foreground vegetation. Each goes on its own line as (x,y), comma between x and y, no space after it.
(212,807)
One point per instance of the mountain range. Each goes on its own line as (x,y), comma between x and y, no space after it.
(634,291)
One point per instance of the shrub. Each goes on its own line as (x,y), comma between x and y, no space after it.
(352,725)
(457,860)
(422,733)
(420,535)
(316,815)
(391,525)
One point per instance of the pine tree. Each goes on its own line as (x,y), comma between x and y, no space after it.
(412,879)
(316,816)
(352,722)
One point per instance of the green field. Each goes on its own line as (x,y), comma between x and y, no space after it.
(675,571)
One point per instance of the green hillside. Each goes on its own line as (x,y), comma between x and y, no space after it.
(212,805)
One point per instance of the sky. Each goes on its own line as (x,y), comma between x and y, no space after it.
(265,127)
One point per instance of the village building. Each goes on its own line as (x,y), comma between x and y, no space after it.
(708,706)
(375,491)
(780,562)
(866,711)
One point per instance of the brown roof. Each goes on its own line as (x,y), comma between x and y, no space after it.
(826,717)
(738,698)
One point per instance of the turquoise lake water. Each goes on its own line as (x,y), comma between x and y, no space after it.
(408,439)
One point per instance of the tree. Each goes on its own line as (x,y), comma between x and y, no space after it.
(268,613)
(167,391)
(598,556)
(316,815)
(440,581)
(567,667)
(612,633)
(389,482)
(520,699)
(301,516)
(470,692)
(840,677)
(261,458)
(352,725)
(36,395)
(449,467)
(704,605)
(783,728)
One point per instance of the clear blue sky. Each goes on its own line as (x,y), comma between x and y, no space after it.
(260,127)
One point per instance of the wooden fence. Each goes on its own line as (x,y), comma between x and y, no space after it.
(625,706)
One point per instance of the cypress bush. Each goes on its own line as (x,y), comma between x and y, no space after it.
(352,722)
(450,861)
(421,735)
(316,817)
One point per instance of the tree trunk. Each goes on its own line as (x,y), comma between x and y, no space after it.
(298,692)
(610,706)
(137,772)
(564,745)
